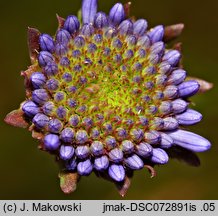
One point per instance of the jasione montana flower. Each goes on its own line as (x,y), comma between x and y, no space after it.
(107,95)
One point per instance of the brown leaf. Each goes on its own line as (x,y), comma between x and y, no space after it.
(60,21)
(33,43)
(68,182)
(151,170)
(124,186)
(16,119)
(204,85)
(173,31)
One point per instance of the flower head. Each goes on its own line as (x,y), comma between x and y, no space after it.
(106,95)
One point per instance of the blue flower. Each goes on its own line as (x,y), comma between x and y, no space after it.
(108,95)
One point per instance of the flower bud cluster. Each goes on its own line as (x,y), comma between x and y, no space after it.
(109,96)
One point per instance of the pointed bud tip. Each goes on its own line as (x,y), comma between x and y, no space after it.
(61,21)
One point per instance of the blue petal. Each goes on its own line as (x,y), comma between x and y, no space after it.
(188,88)
(171,92)
(48,108)
(177,76)
(40,96)
(144,41)
(170,123)
(97,148)
(165,107)
(37,79)
(166,141)
(157,123)
(152,137)
(126,27)
(52,84)
(164,68)
(110,142)
(117,14)
(134,162)
(144,149)
(179,106)
(60,49)
(127,146)
(156,34)
(159,156)
(116,172)
(65,62)
(63,36)
(81,136)
(82,152)
(30,108)
(40,120)
(55,125)
(71,24)
(46,43)
(190,140)
(79,41)
(116,155)
(140,27)
(51,68)
(172,57)
(85,167)
(51,142)
(137,134)
(87,30)
(89,10)
(189,117)
(157,48)
(101,20)
(66,152)
(67,135)
(154,58)
(101,163)
(45,57)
